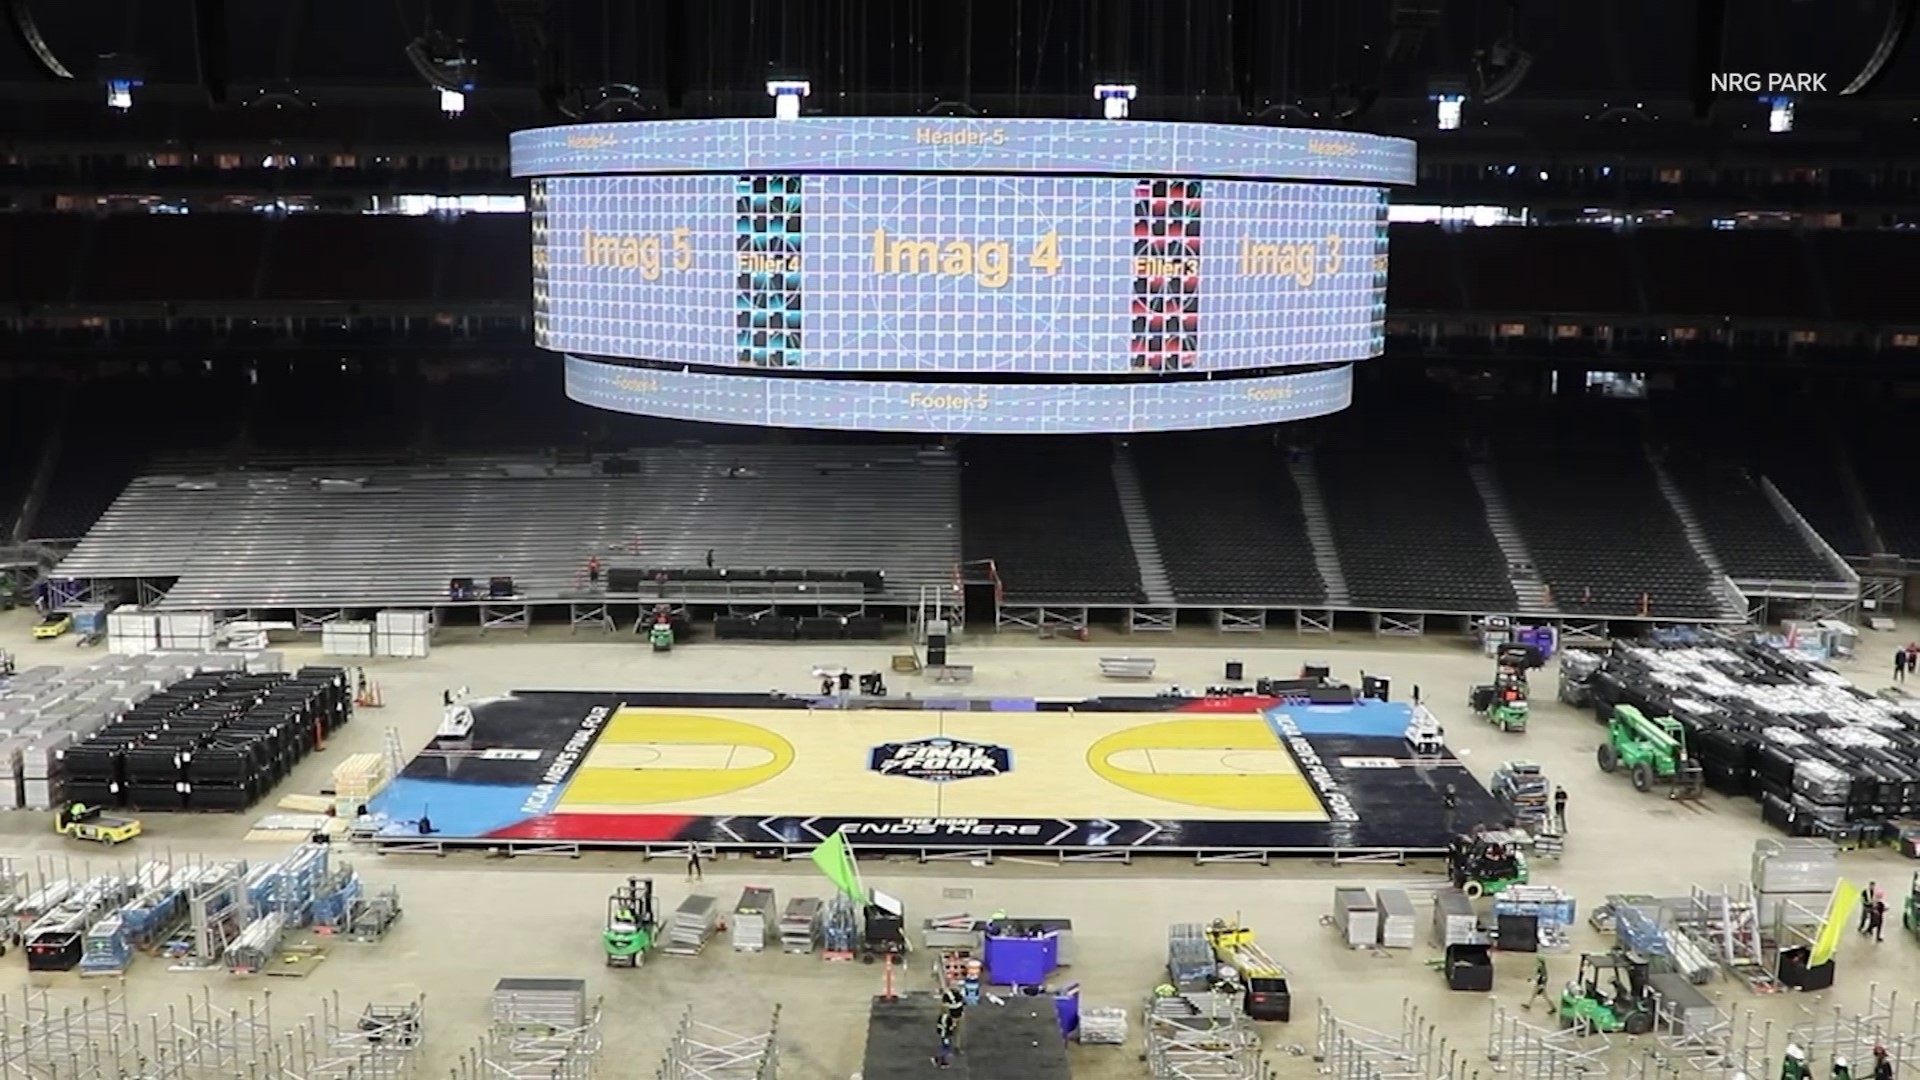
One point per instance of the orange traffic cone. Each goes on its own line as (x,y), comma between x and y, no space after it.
(370,696)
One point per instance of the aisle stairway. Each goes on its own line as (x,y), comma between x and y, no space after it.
(1529,591)
(1326,557)
(1733,606)
(1146,549)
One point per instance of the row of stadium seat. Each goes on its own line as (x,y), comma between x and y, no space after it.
(485,258)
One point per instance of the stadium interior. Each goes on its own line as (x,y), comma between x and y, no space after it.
(268,354)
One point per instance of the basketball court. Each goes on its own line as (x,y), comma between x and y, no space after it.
(756,772)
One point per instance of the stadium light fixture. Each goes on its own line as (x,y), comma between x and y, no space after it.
(1446,111)
(1115,99)
(787,95)
(1779,114)
(453,102)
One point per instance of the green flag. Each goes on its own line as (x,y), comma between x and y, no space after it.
(835,859)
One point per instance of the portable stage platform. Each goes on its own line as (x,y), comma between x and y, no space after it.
(1103,778)
(997,1042)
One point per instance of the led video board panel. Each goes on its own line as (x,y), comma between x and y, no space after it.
(897,144)
(907,273)
(955,408)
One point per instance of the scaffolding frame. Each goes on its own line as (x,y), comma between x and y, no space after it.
(1729,1046)
(1348,1051)
(1725,922)
(512,1052)
(1200,1037)
(1537,1053)
(198,1040)
(56,1035)
(1886,1021)
(381,1042)
(705,1052)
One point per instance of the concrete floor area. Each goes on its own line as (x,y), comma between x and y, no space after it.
(471,920)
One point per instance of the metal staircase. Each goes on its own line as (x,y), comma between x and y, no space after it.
(1158,614)
(1732,603)
(1528,589)
(1326,557)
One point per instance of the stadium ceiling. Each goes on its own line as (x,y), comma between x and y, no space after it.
(1364,63)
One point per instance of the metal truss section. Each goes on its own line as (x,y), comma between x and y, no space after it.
(1240,620)
(1042,619)
(1348,1051)
(1887,1021)
(50,1035)
(526,1052)
(506,617)
(1200,1037)
(589,616)
(1152,620)
(1688,1046)
(314,620)
(1520,1049)
(1307,621)
(1399,624)
(705,1052)
(1584,632)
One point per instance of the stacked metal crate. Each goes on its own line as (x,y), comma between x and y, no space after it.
(1190,962)
(800,925)
(693,922)
(752,919)
(1798,872)
(539,1006)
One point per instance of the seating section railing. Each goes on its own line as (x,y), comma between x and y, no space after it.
(1055,532)
(1228,521)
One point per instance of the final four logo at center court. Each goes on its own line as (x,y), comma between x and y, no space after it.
(940,761)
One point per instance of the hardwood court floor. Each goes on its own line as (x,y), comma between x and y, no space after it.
(1067,765)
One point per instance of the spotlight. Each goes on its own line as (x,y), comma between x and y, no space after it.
(1115,99)
(787,95)
(1779,114)
(1447,109)
(442,62)
(121,75)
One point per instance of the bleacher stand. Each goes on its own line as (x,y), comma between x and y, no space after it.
(1056,535)
(1394,465)
(119,425)
(1749,535)
(21,439)
(56,241)
(1866,273)
(1884,462)
(1602,535)
(1228,521)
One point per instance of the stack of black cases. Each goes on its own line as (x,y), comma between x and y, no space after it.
(217,741)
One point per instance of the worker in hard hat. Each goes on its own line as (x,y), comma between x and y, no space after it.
(1841,1069)
(1793,1063)
(1882,1064)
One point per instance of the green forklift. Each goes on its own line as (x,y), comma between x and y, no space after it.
(632,926)
(1481,867)
(1503,702)
(1600,1002)
(1651,751)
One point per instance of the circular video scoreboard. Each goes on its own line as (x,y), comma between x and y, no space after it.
(960,275)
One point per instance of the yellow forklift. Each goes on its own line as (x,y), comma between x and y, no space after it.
(83,822)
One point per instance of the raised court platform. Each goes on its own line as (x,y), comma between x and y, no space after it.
(1102,777)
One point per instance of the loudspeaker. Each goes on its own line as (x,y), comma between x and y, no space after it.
(936,650)
(500,587)
(1236,671)
(1330,695)
(1376,688)
(625,581)
(1315,671)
